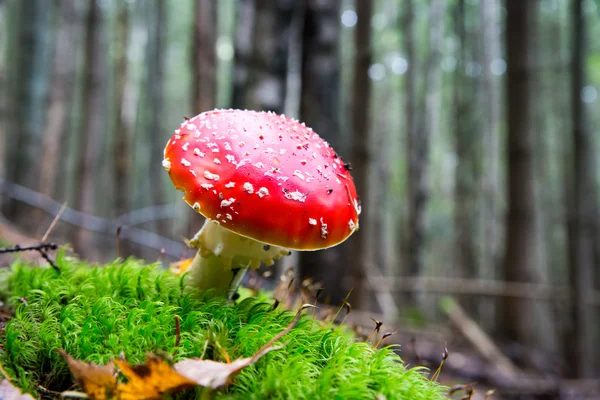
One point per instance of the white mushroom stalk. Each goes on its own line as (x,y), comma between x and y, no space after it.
(223,257)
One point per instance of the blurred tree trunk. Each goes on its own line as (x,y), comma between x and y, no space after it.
(93,124)
(28,94)
(466,175)
(522,321)
(261,53)
(419,143)
(204,71)
(4,92)
(203,56)
(122,143)
(319,109)
(360,157)
(407,26)
(582,209)
(60,98)
(155,85)
(490,185)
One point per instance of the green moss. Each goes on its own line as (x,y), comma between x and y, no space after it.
(96,314)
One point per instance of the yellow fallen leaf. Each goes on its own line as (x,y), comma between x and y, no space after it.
(151,380)
(180,267)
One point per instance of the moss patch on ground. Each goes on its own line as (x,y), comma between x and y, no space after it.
(99,313)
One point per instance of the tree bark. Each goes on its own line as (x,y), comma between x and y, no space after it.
(122,139)
(466,175)
(490,182)
(203,56)
(522,322)
(319,109)
(93,124)
(419,143)
(583,214)
(155,85)
(28,95)
(262,42)
(409,106)
(204,71)
(361,137)
(60,98)
(3,91)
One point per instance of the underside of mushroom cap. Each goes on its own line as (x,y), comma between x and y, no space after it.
(264,176)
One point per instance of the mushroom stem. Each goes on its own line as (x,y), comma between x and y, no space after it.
(207,272)
(223,258)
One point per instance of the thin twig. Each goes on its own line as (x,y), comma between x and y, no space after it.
(54,222)
(50,260)
(37,247)
(40,248)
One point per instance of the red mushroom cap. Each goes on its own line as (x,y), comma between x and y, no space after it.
(264,176)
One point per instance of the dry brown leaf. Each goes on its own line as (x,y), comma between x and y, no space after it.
(155,378)
(215,374)
(98,381)
(9,392)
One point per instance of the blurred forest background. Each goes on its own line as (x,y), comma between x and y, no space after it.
(471,125)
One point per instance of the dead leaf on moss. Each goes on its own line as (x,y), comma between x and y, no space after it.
(156,378)
(9,392)
(150,380)
(214,374)
(98,381)
(179,267)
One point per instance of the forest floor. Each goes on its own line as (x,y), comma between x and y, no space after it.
(126,310)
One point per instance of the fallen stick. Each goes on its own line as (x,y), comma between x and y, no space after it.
(480,340)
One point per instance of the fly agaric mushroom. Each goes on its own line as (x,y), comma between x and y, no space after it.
(267,184)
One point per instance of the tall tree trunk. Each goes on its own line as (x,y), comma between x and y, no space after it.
(261,55)
(203,56)
(360,157)
(122,138)
(409,106)
(28,96)
(155,84)
(520,225)
(521,321)
(204,70)
(3,87)
(60,98)
(4,92)
(466,174)
(319,109)
(490,182)
(92,124)
(583,214)
(419,143)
